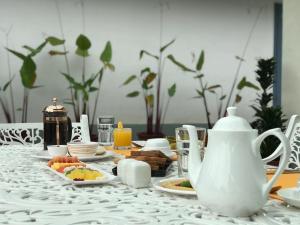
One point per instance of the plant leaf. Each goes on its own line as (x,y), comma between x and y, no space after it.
(129,79)
(244,83)
(106,55)
(36,86)
(27,72)
(222,97)
(238,98)
(167,45)
(200,93)
(83,42)
(199,76)
(91,89)
(54,52)
(6,85)
(213,87)
(239,58)
(133,94)
(150,100)
(69,78)
(142,52)
(37,50)
(54,41)
(180,65)
(18,54)
(110,66)
(200,61)
(147,69)
(172,90)
(150,77)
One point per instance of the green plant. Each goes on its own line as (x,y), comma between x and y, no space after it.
(152,92)
(28,73)
(82,88)
(266,115)
(206,89)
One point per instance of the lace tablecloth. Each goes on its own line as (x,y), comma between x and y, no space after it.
(31,194)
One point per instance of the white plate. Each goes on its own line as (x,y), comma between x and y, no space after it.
(290,196)
(106,179)
(45,155)
(178,192)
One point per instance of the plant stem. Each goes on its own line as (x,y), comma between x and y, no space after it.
(159,75)
(5,110)
(25,105)
(74,103)
(242,60)
(205,105)
(165,110)
(97,95)
(12,102)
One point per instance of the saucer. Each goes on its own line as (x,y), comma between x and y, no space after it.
(44,155)
(291,196)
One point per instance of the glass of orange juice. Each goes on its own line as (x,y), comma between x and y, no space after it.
(122,137)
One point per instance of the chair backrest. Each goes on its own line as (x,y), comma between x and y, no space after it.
(32,133)
(293,134)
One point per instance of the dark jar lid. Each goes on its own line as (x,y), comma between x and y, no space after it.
(55,109)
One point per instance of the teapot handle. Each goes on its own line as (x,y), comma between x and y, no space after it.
(285,150)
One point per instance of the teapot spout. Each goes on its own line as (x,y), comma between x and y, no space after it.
(194,160)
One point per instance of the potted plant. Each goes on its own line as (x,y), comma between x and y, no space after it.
(150,81)
(266,115)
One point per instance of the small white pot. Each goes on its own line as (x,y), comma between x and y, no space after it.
(57,150)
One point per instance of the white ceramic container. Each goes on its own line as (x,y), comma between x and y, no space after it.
(160,144)
(83,149)
(57,150)
(231,179)
(134,173)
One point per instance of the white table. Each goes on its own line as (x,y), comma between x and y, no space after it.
(30,194)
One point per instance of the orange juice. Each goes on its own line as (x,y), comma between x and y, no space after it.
(122,137)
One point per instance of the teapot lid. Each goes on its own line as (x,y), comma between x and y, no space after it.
(55,107)
(232,122)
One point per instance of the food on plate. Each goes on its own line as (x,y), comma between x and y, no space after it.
(156,159)
(180,184)
(59,163)
(82,173)
(185,183)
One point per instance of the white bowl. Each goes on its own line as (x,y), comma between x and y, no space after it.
(83,149)
(160,144)
(57,150)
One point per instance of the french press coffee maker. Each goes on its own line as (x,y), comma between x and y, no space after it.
(57,125)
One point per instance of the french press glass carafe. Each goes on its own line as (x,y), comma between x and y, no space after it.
(57,125)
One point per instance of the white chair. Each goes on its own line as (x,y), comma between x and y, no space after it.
(32,133)
(293,134)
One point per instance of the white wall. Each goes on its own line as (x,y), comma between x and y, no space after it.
(217,26)
(291,57)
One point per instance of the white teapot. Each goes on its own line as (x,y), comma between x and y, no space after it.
(231,178)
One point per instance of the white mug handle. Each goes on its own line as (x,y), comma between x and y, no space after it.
(284,150)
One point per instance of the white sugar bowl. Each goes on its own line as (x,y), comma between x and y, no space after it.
(134,173)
